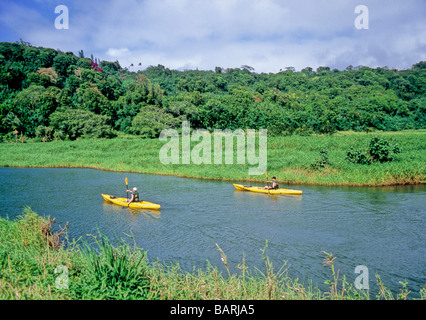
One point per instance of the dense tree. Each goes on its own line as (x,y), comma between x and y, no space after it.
(37,84)
(150,121)
(76,123)
(61,63)
(89,97)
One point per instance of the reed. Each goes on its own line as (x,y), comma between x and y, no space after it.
(290,159)
(28,260)
(112,272)
(97,269)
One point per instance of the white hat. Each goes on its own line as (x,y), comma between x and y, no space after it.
(135,189)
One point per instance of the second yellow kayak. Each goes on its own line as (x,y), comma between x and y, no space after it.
(263,190)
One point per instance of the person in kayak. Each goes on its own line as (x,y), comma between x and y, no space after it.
(274,184)
(134,195)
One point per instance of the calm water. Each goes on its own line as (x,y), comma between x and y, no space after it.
(381,228)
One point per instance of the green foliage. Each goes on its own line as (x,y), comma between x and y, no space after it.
(321,101)
(84,63)
(76,123)
(91,99)
(359,156)
(110,66)
(101,270)
(289,159)
(45,134)
(322,162)
(113,272)
(150,121)
(62,62)
(379,150)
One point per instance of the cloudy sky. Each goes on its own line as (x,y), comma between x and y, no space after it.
(267,35)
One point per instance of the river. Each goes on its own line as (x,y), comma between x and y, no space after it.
(380,228)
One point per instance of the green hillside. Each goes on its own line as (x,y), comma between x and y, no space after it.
(52,95)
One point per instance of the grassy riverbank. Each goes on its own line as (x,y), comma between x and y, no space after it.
(33,265)
(289,158)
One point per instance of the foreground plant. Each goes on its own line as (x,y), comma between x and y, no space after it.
(101,270)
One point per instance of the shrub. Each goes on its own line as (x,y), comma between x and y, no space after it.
(149,122)
(358,156)
(76,123)
(378,150)
(44,133)
(114,272)
(382,151)
(322,162)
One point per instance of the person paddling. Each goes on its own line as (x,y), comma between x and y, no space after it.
(134,195)
(274,184)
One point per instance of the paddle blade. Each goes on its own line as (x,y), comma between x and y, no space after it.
(127,187)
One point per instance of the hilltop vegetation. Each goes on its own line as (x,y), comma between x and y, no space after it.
(48,95)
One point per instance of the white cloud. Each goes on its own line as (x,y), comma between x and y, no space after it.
(266,34)
(117,53)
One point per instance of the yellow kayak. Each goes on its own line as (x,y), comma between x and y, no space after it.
(263,190)
(123,202)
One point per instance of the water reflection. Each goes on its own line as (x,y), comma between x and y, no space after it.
(149,214)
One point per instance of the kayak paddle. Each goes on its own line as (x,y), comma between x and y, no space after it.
(266,173)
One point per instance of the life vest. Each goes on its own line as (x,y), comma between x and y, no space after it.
(135,196)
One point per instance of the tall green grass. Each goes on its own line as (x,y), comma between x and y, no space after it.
(97,269)
(113,272)
(27,261)
(289,159)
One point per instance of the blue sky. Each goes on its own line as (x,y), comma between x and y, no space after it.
(268,35)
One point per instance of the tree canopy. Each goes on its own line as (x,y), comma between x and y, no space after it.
(46,90)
